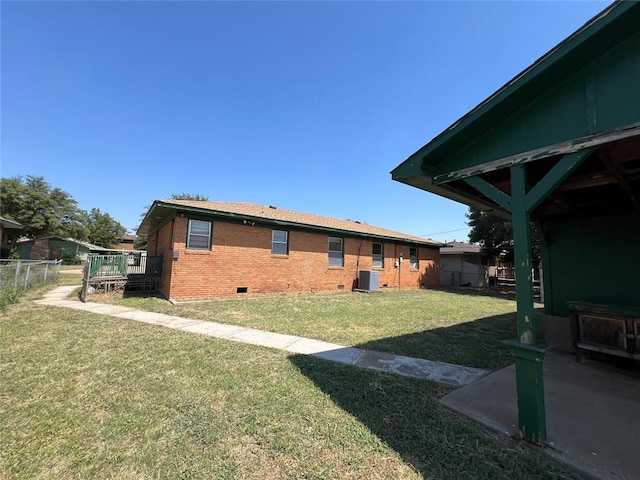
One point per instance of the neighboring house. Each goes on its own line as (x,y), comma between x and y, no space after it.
(126,242)
(9,231)
(461,264)
(215,249)
(54,248)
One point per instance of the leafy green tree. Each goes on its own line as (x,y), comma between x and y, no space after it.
(43,210)
(493,234)
(103,229)
(189,196)
(140,243)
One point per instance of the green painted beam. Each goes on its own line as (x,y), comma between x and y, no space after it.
(489,191)
(527,353)
(563,148)
(522,252)
(554,177)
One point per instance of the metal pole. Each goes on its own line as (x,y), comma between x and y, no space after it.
(26,278)
(15,279)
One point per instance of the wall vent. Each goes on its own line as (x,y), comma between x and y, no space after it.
(242,289)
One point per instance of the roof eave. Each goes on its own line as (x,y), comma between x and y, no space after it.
(415,163)
(280,223)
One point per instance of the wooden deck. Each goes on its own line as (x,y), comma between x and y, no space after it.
(113,273)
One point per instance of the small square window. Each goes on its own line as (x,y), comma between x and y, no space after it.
(199,235)
(279,242)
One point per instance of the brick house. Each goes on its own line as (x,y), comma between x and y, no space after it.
(213,249)
(126,242)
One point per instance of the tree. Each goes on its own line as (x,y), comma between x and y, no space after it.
(103,229)
(42,210)
(189,196)
(140,243)
(494,234)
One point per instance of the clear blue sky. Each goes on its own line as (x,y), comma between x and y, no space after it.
(302,105)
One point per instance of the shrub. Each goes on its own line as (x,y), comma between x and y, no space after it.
(9,296)
(70,259)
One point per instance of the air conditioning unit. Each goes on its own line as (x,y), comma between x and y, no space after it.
(368,280)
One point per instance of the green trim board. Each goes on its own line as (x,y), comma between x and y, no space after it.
(488,190)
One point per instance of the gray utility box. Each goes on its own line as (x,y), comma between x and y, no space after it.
(368,280)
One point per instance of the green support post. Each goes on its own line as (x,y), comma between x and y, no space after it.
(527,353)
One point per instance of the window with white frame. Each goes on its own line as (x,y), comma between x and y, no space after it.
(413,258)
(377,255)
(336,256)
(199,235)
(279,242)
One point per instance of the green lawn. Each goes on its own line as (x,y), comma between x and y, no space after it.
(90,396)
(461,326)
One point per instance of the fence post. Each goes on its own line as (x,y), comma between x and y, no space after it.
(85,282)
(26,278)
(15,279)
(46,268)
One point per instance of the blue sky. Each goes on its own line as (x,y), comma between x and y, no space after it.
(302,105)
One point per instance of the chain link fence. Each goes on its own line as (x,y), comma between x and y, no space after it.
(23,274)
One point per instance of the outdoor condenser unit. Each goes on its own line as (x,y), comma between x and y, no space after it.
(368,280)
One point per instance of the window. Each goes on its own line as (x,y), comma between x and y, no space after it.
(199,235)
(279,242)
(336,259)
(378,255)
(413,257)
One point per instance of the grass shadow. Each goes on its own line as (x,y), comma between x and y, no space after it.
(477,343)
(404,413)
(141,294)
(504,293)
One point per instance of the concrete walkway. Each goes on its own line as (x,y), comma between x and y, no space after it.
(592,409)
(450,374)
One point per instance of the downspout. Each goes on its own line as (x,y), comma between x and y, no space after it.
(357,282)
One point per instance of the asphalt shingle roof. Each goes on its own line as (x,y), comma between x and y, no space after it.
(274,214)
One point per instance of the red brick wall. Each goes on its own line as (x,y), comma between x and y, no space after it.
(241,257)
(40,249)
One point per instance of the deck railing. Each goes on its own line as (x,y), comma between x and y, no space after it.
(124,271)
(123,265)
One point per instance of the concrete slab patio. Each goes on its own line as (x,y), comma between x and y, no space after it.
(593,413)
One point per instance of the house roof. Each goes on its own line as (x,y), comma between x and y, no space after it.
(6,223)
(579,103)
(458,248)
(162,210)
(88,245)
